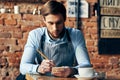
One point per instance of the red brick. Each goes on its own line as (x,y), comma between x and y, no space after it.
(7,41)
(113,74)
(90,43)
(25,35)
(98,66)
(10,22)
(22,41)
(15,16)
(92,48)
(42,24)
(94,36)
(93,31)
(4,47)
(85,19)
(37,23)
(6,77)
(9,29)
(99,60)
(19,55)
(14,48)
(3,62)
(1,22)
(27,28)
(114,60)
(85,31)
(94,19)
(71,18)
(15,72)
(17,35)
(5,35)
(32,17)
(69,24)
(91,24)
(108,66)
(4,16)
(29,23)
(87,36)
(13,62)
(10,16)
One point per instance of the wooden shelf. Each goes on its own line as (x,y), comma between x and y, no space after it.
(28,1)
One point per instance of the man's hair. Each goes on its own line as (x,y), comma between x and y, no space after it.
(53,7)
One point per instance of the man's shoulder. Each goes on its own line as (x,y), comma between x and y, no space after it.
(73,30)
(75,33)
(38,30)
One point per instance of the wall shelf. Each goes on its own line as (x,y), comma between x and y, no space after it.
(25,1)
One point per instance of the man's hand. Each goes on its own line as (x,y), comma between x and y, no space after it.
(45,66)
(62,72)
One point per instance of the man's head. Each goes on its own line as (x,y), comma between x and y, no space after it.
(54,14)
(53,7)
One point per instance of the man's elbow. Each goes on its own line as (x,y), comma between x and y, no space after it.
(22,70)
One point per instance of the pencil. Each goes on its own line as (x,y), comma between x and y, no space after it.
(44,56)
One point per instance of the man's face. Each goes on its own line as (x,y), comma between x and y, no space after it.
(55,24)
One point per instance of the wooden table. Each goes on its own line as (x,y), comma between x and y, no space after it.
(39,77)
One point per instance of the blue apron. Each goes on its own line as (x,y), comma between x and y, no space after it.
(62,54)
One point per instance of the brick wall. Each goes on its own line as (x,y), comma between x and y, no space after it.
(14,29)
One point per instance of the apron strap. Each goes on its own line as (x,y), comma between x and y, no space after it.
(69,39)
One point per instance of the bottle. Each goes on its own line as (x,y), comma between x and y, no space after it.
(16,9)
(2,10)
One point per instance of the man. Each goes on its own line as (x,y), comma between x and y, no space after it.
(62,45)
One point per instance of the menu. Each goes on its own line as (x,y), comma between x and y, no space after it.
(109,26)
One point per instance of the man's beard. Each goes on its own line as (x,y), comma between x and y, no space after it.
(56,37)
